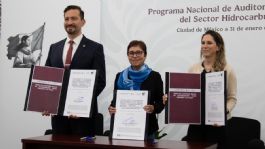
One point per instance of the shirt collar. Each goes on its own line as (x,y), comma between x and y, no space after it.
(77,39)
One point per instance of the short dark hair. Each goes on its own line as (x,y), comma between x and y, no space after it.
(81,12)
(24,38)
(139,43)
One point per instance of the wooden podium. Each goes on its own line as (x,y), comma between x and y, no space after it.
(73,142)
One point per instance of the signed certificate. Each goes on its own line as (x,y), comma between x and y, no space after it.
(215,98)
(130,117)
(80,93)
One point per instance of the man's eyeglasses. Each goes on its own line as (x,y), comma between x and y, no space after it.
(136,53)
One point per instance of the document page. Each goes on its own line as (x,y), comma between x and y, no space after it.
(130,117)
(80,93)
(215,98)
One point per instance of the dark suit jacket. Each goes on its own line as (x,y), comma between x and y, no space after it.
(89,55)
(154,85)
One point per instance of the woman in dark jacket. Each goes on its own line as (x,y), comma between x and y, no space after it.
(139,76)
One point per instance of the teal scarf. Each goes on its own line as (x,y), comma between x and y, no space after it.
(130,79)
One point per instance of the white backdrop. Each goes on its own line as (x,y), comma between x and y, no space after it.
(121,21)
(171,50)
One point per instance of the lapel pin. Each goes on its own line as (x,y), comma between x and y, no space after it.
(84,45)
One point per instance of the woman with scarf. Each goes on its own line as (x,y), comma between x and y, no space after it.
(139,76)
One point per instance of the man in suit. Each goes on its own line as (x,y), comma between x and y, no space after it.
(85,54)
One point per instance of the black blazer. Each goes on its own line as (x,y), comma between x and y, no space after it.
(154,85)
(88,55)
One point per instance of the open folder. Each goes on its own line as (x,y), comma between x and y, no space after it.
(196,98)
(60,91)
